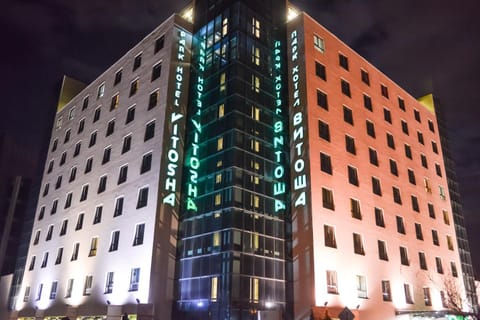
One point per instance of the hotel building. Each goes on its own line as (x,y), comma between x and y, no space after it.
(241,162)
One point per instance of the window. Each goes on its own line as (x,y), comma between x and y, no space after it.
(39,292)
(255,55)
(453,267)
(441,192)
(449,243)
(256,27)
(63,229)
(67,136)
(376,186)
(323,130)
(98,215)
(122,176)
(137,62)
(434,147)
(96,115)
(130,115)
(345,88)
(435,238)
(350,144)
(146,163)
(223,79)
(78,145)
(411,177)
(404,256)
(415,205)
(114,241)
(373,156)
(45,189)
(255,84)
(431,126)
(387,115)
(422,261)
(379,220)
(365,77)
(418,231)
(45,260)
(100,90)
(386,290)
(438,263)
(358,244)
(50,166)
(159,43)
(367,102)
(68,200)
(153,99)
(352,175)
(58,260)
(370,128)
(142,197)
(416,114)
(106,154)
(114,102)
(118,207)
(59,123)
(93,247)
(327,199)
(408,151)
(102,184)
(133,87)
(109,283)
(347,115)
(134,279)
(401,104)
(49,233)
(343,61)
(79,222)
(384,91)
(127,143)
(54,207)
(118,77)
(149,130)
(32,263)
(404,127)
(88,165)
(87,290)
(330,240)
(438,170)
(68,291)
(393,167)
(423,160)
(426,297)
(156,71)
(332,284)
(355,209)
(220,143)
(318,43)
(221,110)
(431,211)
(41,213)
(420,137)
(325,163)
(110,127)
(58,184)
(63,158)
(396,195)
(446,217)
(26,295)
(139,232)
(37,238)
(85,103)
(322,100)
(93,139)
(361,287)
(443,297)
(382,250)
(390,141)
(400,225)
(320,70)
(76,248)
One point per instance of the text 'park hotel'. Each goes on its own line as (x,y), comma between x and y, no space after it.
(241,162)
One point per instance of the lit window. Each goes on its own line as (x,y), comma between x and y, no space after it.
(254,289)
(255,55)
(255,113)
(221,110)
(101,90)
(446,217)
(214,288)
(220,144)
(87,290)
(255,83)
(114,102)
(256,27)
(449,243)
(362,287)
(134,279)
(318,43)
(223,77)
(332,285)
(218,199)
(93,247)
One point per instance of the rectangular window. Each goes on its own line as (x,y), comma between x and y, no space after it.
(426,297)
(327,199)
(390,141)
(420,137)
(431,126)
(63,229)
(446,217)
(320,70)
(93,247)
(85,103)
(318,43)
(382,250)
(343,61)
(58,184)
(122,176)
(411,177)
(133,87)
(370,128)
(68,291)
(87,289)
(404,256)
(68,200)
(142,197)
(431,211)
(118,207)
(404,127)
(422,261)
(39,292)
(347,115)
(156,71)
(137,62)
(32,263)
(358,244)
(67,136)
(323,130)
(255,84)
(396,195)
(114,102)
(255,55)
(45,260)
(367,102)
(373,156)
(114,240)
(109,283)
(127,143)
(78,145)
(73,174)
(118,77)
(330,240)
(149,131)
(96,115)
(435,238)
(393,167)
(401,104)
(139,232)
(379,220)
(362,287)
(256,27)
(376,186)
(49,233)
(322,100)
(88,168)
(345,86)
(438,170)
(332,284)
(355,209)
(386,290)
(387,115)
(325,163)
(146,163)
(98,215)
(79,222)
(384,90)
(102,184)
(400,225)
(110,127)
(130,115)
(418,231)
(350,145)
(54,207)
(453,268)
(438,263)
(434,147)
(26,295)
(408,151)
(101,90)
(41,213)
(63,158)
(76,248)
(415,206)
(416,114)
(159,44)
(134,279)
(352,175)
(365,77)
(153,99)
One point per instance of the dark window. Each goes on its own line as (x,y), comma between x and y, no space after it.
(435,238)
(376,187)
(118,207)
(438,262)
(114,102)
(142,197)
(54,207)
(387,115)
(106,155)
(79,222)
(355,209)
(50,166)
(45,189)
(393,167)
(408,293)
(352,176)
(96,115)
(76,247)
(98,215)
(390,141)
(102,184)
(110,127)
(133,87)
(367,102)
(358,244)
(330,240)
(127,143)
(373,156)
(386,291)
(88,165)
(418,231)
(365,77)
(382,250)
(156,71)
(453,267)
(420,137)
(67,136)
(345,88)
(423,160)
(54,145)
(322,99)
(139,232)
(63,229)
(122,176)
(149,130)
(408,151)
(118,77)
(84,194)
(93,139)
(130,115)
(416,114)
(146,163)
(58,184)
(384,90)
(431,211)
(404,256)
(350,144)
(45,260)
(405,127)
(85,103)
(370,128)
(114,241)
(343,61)
(347,115)
(159,43)
(327,199)
(422,261)
(153,99)
(137,62)
(431,126)
(325,163)
(323,130)
(411,177)
(68,201)
(396,195)
(379,221)
(49,233)
(73,174)
(434,147)
(401,104)
(63,158)
(438,169)
(81,126)
(41,213)
(320,70)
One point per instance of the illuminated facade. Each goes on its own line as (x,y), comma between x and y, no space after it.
(243,167)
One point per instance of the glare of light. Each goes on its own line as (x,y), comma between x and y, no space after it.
(292,13)
(269,304)
(188,14)
(200,304)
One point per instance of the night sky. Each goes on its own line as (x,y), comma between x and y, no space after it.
(423,45)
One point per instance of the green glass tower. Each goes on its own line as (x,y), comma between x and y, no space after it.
(233,255)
